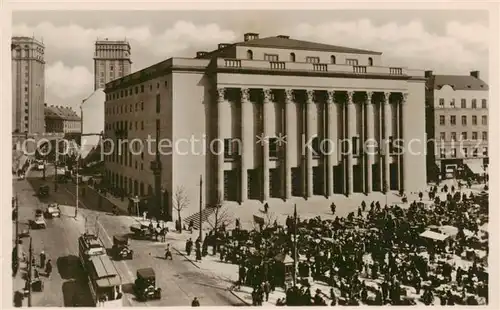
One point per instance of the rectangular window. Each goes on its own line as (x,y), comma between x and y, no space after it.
(484,120)
(474,120)
(142,88)
(142,105)
(313,60)
(142,125)
(474,135)
(453,152)
(474,103)
(464,120)
(111,68)
(273,148)
(453,120)
(136,90)
(453,136)
(483,103)
(464,135)
(442,136)
(484,136)
(464,152)
(441,120)
(463,103)
(442,152)
(441,102)
(485,151)
(230,148)
(158,104)
(157,125)
(268,57)
(474,153)
(452,103)
(351,62)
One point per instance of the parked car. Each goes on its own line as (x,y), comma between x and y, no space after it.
(145,285)
(43,191)
(39,221)
(53,210)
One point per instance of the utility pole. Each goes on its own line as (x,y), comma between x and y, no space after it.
(15,256)
(77,188)
(156,167)
(294,244)
(55,167)
(201,203)
(30,272)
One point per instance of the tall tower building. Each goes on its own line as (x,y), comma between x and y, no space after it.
(111,61)
(28,85)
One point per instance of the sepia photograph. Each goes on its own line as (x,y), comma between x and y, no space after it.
(320,157)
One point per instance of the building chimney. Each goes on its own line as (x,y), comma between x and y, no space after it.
(200,54)
(428,73)
(223,45)
(475,74)
(281,36)
(250,36)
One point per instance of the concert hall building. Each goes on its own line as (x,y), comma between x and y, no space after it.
(295,94)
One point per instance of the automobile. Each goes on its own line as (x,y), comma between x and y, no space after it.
(140,231)
(145,285)
(43,191)
(120,249)
(39,221)
(53,210)
(40,166)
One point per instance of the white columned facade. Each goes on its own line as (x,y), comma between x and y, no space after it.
(289,110)
(403,159)
(370,128)
(265,146)
(245,113)
(351,125)
(387,131)
(309,123)
(220,146)
(331,136)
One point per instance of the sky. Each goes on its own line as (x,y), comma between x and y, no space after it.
(445,41)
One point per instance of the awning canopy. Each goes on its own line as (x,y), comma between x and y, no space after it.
(433,235)
(476,168)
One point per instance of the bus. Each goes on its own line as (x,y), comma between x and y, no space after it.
(104,282)
(89,245)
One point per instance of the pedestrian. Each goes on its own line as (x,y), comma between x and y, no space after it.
(266,207)
(48,268)
(198,254)
(43,257)
(267,289)
(195,302)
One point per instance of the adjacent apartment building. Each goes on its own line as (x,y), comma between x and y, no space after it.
(457,125)
(212,110)
(111,61)
(62,119)
(28,85)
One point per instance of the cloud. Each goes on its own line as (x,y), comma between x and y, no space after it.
(180,36)
(68,82)
(410,44)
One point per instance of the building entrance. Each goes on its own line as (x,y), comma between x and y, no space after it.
(275,183)
(296,182)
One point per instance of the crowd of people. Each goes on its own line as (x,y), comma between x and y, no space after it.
(375,256)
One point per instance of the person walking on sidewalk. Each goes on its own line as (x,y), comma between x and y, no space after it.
(48,268)
(195,302)
(43,257)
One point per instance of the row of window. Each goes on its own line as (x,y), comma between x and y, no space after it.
(131,91)
(464,152)
(138,105)
(126,126)
(309,59)
(484,136)
(128,184)
(453,120)
(463,103)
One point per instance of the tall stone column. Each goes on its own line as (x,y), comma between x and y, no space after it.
(387,132)
(402,157)
(309,123)
(370,128)
(351,128)
(289,110)
(331,137)
(245,116)
(220,148)
(267,104)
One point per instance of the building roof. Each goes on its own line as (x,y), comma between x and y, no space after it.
(287,43)
(457,82)
(60,112)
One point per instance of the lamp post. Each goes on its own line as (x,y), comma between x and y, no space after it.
(30,270)
(201,202)
(55,180)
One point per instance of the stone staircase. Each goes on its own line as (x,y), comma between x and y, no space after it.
(205,214)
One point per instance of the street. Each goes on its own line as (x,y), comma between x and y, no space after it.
(179,279)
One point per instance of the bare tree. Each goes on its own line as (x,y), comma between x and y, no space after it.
(181,201)
(221,216)
(269,219)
